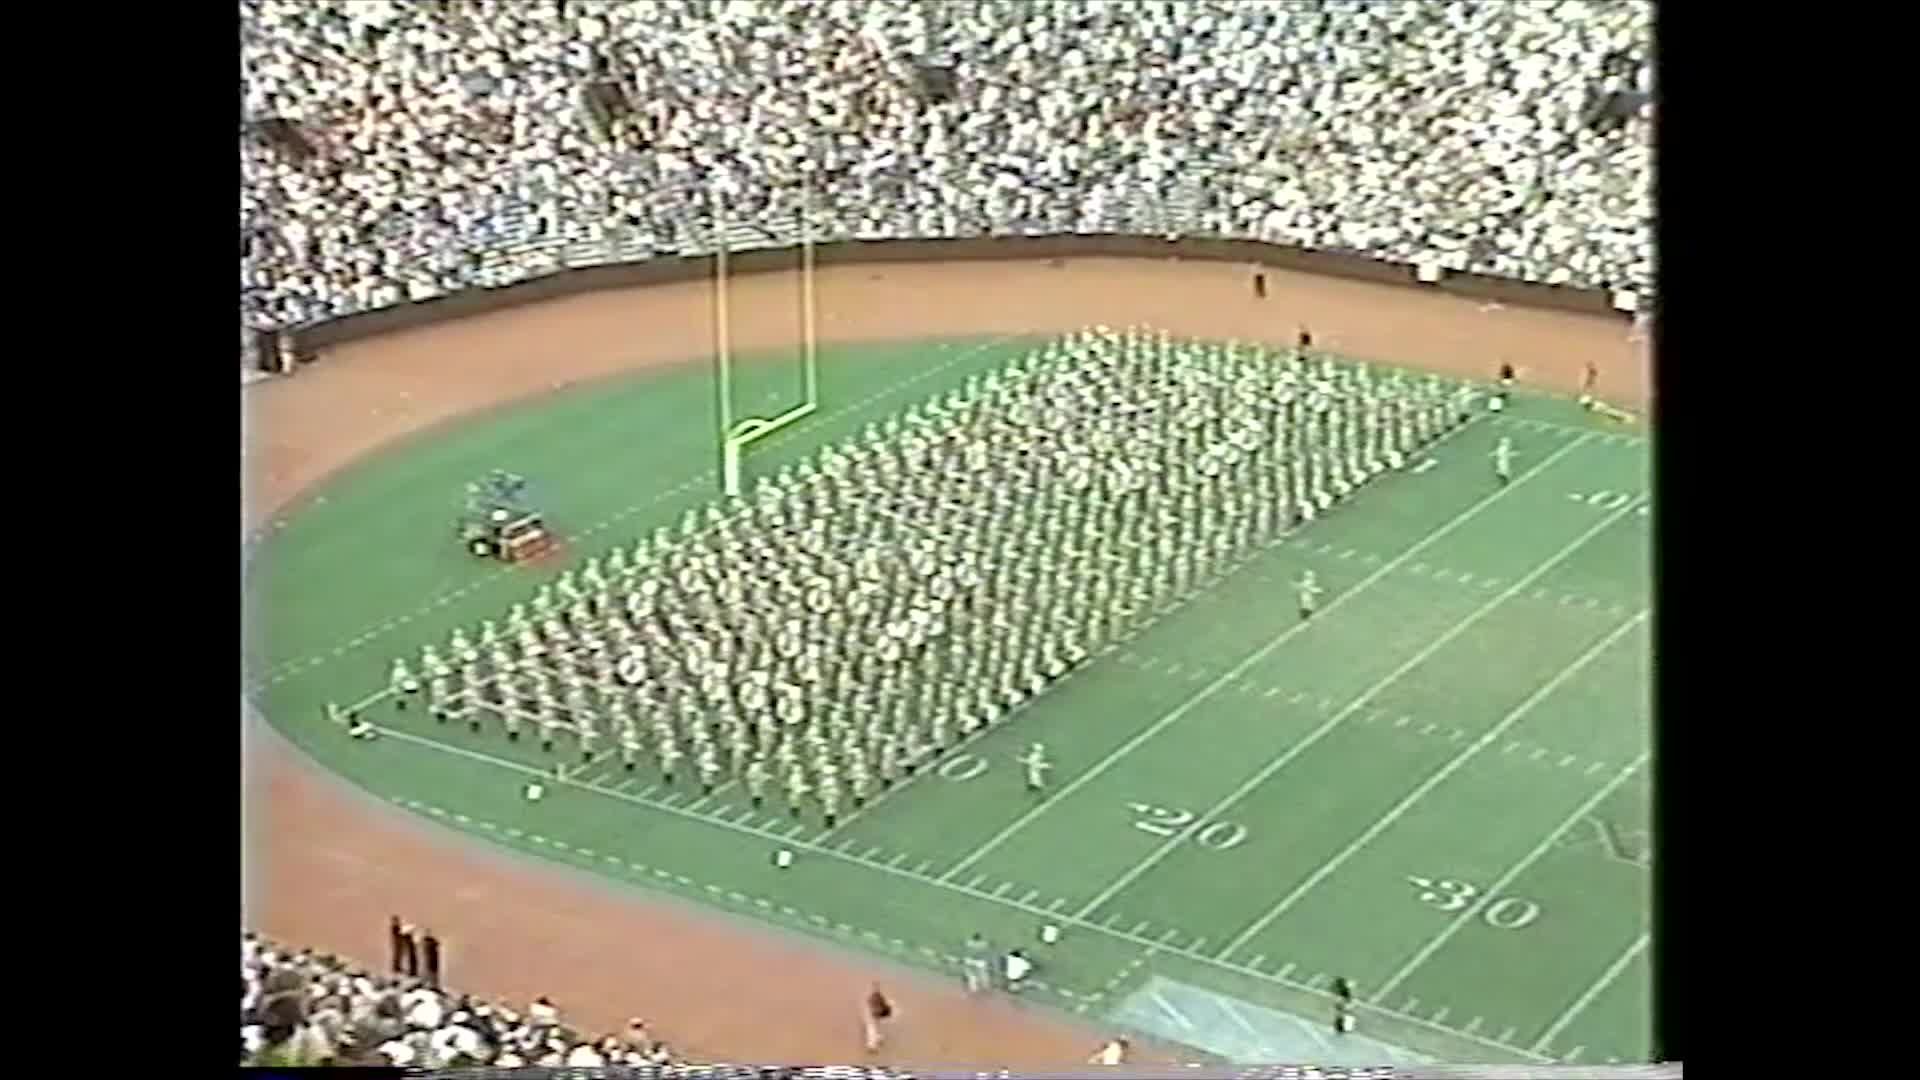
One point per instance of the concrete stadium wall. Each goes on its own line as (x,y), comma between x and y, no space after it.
(306,342)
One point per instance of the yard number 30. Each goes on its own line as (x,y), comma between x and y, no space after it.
(1506,913)
(1169,821)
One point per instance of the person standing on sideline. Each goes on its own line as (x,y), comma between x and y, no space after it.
(409,953)
(874,1011)
(1589,379)
(1343,1005)
(1017,968)
(978,974)
(430,958)
(396,934)
(1114,1053)
(1259,284)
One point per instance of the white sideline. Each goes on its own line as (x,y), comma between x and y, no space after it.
(799,845)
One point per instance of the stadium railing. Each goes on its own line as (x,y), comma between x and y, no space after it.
(525,254)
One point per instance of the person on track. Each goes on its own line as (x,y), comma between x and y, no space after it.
(875,1010)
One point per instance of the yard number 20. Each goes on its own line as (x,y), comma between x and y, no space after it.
(1169,821)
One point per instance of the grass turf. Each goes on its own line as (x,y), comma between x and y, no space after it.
(1426,790)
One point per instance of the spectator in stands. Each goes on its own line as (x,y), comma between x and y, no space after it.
(302,1008)
(1480,136)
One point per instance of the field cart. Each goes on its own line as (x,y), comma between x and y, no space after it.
(498,520)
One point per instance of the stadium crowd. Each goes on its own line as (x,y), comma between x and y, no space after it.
(390,151)
(299,1007)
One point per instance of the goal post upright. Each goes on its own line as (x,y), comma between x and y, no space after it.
(737,434)
(722,343)
(809,312)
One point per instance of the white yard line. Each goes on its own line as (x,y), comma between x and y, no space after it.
(1459,761)
(1606,979)
(1550,425)
(1213,813)
(1252,659)
(799,846)
(367,635)
(1499,885)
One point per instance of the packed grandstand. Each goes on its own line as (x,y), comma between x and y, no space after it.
(299,1007)
(392,152)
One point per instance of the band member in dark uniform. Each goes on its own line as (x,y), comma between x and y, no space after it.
(430,958)
(409,953)
(395,935)
(1260,284)
(1305,341)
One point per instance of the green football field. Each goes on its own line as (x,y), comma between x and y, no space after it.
(1437,787)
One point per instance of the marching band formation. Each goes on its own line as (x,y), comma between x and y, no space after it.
(902,590)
